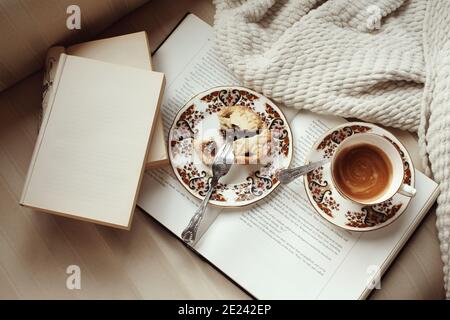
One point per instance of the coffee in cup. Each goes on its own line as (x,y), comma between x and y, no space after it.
(367,169)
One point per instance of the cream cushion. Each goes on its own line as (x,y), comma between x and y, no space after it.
(30,27)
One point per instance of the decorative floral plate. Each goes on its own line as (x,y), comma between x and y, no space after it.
(244,184)
(339,210)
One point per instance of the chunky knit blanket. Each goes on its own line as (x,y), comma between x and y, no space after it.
(384,61)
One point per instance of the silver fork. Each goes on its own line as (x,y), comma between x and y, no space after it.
(221,165)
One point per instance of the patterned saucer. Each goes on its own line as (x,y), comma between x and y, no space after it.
(339,210)
(244,184)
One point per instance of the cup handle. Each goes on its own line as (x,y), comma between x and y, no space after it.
(407,190)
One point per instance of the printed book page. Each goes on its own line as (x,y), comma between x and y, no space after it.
(286,250)
(197,69)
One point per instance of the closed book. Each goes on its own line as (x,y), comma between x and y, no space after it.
(92,145)
(131,50)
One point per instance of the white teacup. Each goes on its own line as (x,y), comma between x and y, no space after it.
(389,152)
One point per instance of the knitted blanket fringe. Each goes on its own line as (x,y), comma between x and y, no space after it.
(383,61)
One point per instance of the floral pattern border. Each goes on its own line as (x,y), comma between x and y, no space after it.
(322,193)
(181,143)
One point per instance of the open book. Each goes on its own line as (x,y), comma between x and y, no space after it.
(269,253)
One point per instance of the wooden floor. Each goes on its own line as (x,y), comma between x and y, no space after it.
(147,262)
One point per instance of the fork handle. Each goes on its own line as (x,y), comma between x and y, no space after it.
(288,175)
(189,234)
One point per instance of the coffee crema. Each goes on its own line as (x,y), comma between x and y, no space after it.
(363,172)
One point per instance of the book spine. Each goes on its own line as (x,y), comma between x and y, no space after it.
(46,115)
(149,50)
(51,65)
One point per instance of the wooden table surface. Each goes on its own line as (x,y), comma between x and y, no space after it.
(146,262)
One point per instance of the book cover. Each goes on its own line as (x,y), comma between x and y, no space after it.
(130,50)
(92,145)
